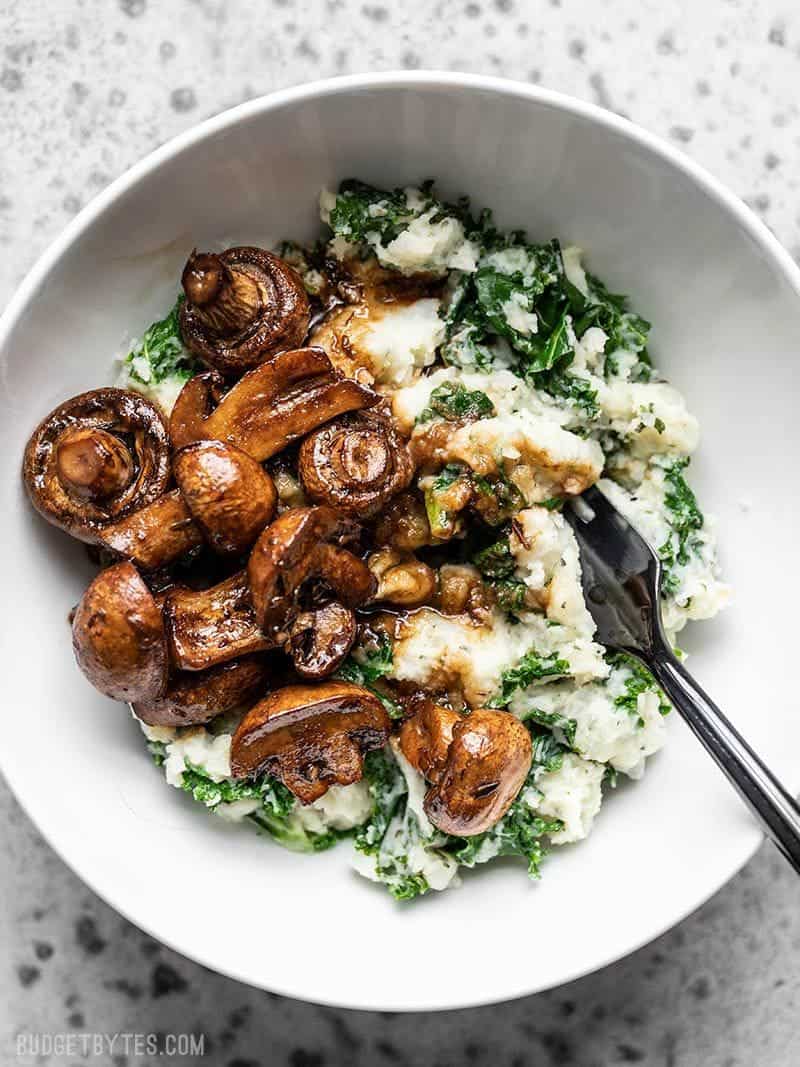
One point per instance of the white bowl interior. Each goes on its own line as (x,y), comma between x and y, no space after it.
(726,318)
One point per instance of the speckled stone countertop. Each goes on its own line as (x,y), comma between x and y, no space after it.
(89,86)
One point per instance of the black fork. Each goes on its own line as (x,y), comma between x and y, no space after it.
(621,582)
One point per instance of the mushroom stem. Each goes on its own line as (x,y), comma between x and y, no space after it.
(155,535)
(93,464)
(225,299)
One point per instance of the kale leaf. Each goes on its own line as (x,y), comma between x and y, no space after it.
(161,353)
(497,566)
(452,400)
(365,666)
(362,211)
(532,667)
(640,680)
(685,519)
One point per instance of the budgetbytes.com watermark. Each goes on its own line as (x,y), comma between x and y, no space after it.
(32,1046)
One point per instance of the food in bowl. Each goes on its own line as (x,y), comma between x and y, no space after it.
(338,593)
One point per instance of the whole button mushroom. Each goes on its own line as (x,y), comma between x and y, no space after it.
(241,307)
(355,464)
(118,636)
(310,737)
(273,405)
(229,495)
(488,760)
(96,459)
(194,697)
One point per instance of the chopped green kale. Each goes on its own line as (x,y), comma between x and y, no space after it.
(161,353)
(362,211)
(365,666)
(531,668)
(453,401)
(685,519)
(640,680)
(497,566)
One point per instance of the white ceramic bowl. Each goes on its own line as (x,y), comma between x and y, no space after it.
(724,299)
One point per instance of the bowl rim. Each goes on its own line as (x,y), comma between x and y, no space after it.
(345,85)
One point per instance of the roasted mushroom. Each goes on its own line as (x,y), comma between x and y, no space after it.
(275,404)
(356,464)
(402,578)
(487,762)
(195,697)
(96,459)
(310,736)
(241,307)
(301,544)
(229,495)
(213,625)
(155,535)
(425,737)
(118,636)
(193,405)
(319,640)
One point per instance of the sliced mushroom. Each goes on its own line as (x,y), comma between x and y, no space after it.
(310,736)
(402,579)
(403,524)
(194,404)
(487,763)
(212,626)
(319,640)
(195,697)
(356,464)
(118,636)
(241,307)
(279,402)
(301,544)
(229,495)
(96,459)
(425,738)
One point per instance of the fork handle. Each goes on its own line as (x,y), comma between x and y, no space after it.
(774,808)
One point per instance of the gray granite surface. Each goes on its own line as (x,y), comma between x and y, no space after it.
(89,86)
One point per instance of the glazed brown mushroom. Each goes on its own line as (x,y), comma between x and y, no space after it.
(425,738)
(310,737)
(401,578)
(195,697)
(194,404)
(488,760)
(96,459)
(118,636)
(155,535)
(355,464)
(301,544)
(229,495)
(241,307)
(320,640)
(277,403)
(211,626)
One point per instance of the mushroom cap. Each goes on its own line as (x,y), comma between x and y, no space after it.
(299,545)
(310,736)
(319,640)
(356,464)
(195,697)
(230,496)
(118,636)
(487,763)
(241,307)
(95,459)
(402,578)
